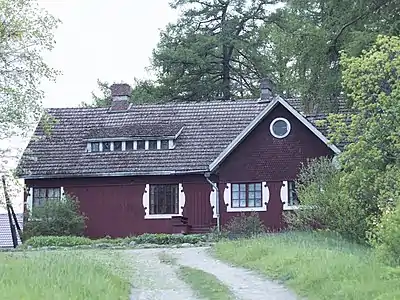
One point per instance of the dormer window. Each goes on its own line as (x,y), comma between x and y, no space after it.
(141,145)
(153,145)
(95,147)
(164,144)
(117,146)
(129,145)
(106,146)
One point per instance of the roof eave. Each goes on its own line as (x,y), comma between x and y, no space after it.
(114,174)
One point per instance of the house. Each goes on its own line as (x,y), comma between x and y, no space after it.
(175,167)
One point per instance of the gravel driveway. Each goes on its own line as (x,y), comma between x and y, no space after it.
(155,280)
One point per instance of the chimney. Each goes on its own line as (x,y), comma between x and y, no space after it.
(266,89)
(120,94)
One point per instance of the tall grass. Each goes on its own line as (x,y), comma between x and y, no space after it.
(317,266)
(69,275)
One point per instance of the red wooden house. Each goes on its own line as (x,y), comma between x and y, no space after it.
(175,167)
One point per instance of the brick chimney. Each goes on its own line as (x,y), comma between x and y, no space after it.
(266,89)
(121,95)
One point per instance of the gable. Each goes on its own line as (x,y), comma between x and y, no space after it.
(261,156)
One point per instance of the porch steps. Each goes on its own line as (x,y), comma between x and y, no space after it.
(200,229)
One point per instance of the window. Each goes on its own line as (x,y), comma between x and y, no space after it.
(140,145)
(153,145)
(164,144)
(106,146)
(292,197)
(129,145)
(246,195)
(95,147)
(164,199)
(42,195)
(117,146)
(280,128)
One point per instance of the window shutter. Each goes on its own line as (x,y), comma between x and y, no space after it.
(182,199)
(227,195)
(29,200)
(265,193)
(213,202)
(146,199)
(284,194)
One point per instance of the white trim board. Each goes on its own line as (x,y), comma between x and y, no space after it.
(277,100)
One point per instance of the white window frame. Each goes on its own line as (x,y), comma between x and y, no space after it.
(146,204)
(285,197)
(228,199)
(29,198)
(271,128)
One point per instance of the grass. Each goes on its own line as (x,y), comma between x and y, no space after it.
(60,275)
(317,266)
(204,284)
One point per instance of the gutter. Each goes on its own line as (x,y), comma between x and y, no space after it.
(215,187)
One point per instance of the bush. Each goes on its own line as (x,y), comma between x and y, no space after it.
(169,239)
(57,241)
(386,236)
(56,218)
(244,225)
(147,238)
(325,203)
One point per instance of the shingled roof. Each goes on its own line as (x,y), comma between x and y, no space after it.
(206,129)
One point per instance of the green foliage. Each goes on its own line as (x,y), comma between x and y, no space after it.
(169,239)
(316,266)
(386,235)
(314,32)
(26,31)
(325,203)
(65,275)
(57,241)
(244,225)
(147,238)
(56,218)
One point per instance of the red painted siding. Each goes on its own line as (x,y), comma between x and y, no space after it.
(262,157)
(114,206)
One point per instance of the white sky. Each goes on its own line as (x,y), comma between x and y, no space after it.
(107,39)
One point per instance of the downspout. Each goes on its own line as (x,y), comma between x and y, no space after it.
(215,187)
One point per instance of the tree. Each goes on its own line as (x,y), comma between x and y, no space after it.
(213,50)
(314,32)
(371,160)
(25,32)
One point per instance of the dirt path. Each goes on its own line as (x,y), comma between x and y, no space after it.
(163,283)
(154,280)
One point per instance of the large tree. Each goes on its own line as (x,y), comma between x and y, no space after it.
(26,31)
(314,32)
(212,51)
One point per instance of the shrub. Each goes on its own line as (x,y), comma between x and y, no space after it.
(325,204)
(57,241)
(169,239)
(386,236)
(56,218)
(244,225)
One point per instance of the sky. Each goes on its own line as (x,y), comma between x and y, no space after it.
(110,40)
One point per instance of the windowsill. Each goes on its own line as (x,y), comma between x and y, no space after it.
(293,207)
(246,209)
(166,216)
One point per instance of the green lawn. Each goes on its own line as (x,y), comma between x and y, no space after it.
(59,275)
(315,265)
(206,285)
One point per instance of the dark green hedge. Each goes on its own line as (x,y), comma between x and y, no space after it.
(159,239)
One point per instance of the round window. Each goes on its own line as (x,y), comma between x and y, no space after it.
(280,128)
